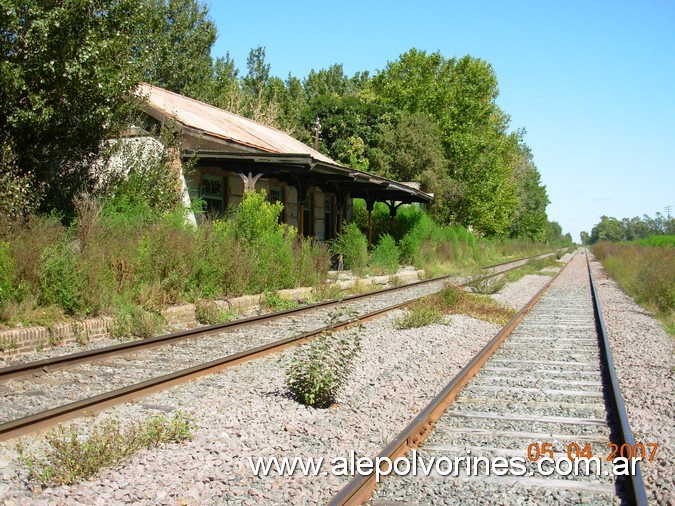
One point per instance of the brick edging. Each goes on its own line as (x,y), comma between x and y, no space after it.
(23,340)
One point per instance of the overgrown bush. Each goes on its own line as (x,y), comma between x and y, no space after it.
(385,256)
(352,244)
(74,454)
(318,370)
(124,259)
(62,280)
(7,275)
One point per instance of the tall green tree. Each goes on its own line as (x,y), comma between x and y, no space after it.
(66,80)
(529,219)
(173,42)
(460,95)
(349,127)
(224,90)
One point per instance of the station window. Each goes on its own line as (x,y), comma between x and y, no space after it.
(212,191)
(276,194)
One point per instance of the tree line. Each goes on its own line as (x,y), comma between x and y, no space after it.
(69,70)
(628,229)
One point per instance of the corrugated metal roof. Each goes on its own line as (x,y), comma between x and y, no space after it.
(223,124)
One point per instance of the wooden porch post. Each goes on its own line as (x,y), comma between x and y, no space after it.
(370,203)
(301,218)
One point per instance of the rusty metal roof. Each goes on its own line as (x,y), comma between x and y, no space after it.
(208,120)
(222,124)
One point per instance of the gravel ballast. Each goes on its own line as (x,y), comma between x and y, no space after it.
(644,357)
(244,412)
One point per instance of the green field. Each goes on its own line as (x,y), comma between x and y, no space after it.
(657,240)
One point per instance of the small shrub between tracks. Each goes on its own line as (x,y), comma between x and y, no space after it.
(318,370)
(72,455)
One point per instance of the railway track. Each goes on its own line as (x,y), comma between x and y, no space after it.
(544,386)
(42,393)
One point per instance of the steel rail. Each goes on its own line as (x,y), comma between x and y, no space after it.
(519,259)
(625,435)
(48,418)
(361,488)
(63,361)
(53,363)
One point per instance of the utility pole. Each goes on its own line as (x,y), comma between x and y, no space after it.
(317,129)
(667,209)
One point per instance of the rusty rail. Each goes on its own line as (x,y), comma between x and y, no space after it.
(59,362)
(48,418)
(638,494)
(361,488)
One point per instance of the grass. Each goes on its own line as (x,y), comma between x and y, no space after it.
(75,454)
(454,300)
(657,240)
(419,315)
(533,266)
(208,312)
(327,291)
(492,285)
(646,273)
(274,302)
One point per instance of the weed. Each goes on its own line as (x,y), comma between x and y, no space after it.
(53,339)
(274,302)
(327,291)
(488,285)
(395,281)
(7,345)
(81,335)
(207,312)
(359,287)
(72,455)
(133,321)
(484,307)
(644,272)
(7,275)
(62,280)
(419,315)
(450,296)
(318,370)
(454,300)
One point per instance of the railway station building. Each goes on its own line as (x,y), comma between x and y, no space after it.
(232,154)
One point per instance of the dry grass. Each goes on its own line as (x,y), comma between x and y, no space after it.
(454,300)
(644,272)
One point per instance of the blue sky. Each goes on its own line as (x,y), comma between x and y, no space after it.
(592,82)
